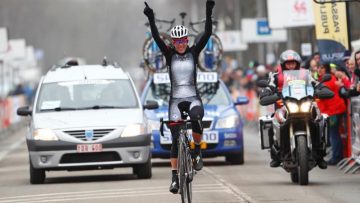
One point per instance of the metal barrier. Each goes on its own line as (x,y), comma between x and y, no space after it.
(352,164)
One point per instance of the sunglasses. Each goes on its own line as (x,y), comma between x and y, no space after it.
(180,41)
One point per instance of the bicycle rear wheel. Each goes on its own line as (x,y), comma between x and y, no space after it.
(153,58)
(209,60)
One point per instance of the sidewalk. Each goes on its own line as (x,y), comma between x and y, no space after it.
(11,139)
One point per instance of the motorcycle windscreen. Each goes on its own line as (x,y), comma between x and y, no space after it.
(296,84)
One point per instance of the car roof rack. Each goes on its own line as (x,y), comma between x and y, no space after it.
(105,62)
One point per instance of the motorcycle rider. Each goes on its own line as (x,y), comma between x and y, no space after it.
(182,61)
(289,60)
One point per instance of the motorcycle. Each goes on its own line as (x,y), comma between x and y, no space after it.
(296,133)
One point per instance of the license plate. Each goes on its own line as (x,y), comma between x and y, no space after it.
(209,137)
(83,148)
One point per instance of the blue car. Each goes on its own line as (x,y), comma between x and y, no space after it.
(224,137)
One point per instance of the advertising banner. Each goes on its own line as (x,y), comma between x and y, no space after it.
(290,13)
(331,31)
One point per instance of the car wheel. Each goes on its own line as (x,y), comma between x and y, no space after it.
(143,171)
(37,176)
(235,159)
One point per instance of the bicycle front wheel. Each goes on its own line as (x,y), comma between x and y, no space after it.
(190,174)
(185,185)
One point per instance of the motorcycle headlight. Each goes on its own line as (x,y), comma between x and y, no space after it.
(133,130)
(228,122)
(153,125)
(292,107)
(305,106)
(45,135)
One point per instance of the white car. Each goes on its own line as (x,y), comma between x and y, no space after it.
(87,117)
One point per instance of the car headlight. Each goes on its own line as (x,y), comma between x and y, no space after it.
(44,134)
(292,107)
(133,130)
(305,106)
(153,125)
(228,122)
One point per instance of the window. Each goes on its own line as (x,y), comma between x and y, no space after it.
(86,94)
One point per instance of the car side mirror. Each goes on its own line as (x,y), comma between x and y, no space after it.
(241,100)
(24,111)
(151,105)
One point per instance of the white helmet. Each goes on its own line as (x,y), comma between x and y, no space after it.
(179,31)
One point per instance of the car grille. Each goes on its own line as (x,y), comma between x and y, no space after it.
(80,134)
(90,157)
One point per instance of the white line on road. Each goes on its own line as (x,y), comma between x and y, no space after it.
(103,194)
(234,190)
(12,147)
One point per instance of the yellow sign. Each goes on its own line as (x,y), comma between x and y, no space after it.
(331,22)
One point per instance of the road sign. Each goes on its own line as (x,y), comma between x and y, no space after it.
(232,40)
(263,27)
(254,30)
(306,49)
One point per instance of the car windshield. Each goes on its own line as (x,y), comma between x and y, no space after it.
(211,94)
(86,94)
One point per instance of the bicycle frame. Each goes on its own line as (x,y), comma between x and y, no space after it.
(209,54)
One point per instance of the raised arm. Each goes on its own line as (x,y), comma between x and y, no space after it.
(208,27)
(154,31)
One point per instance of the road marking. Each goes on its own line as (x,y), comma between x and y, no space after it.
(112,193)
(14,168)
(12,147)
(234,190)
(103,196)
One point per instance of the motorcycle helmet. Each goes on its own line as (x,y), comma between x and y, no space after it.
(179,31)
(290,55)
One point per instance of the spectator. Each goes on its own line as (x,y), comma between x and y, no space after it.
(314,66)
(19,89)
(335,109)
(357,58)
(316,57)
(342,78)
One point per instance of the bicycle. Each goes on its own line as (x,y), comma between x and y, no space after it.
(185,165)
(211,56)
(154,60)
